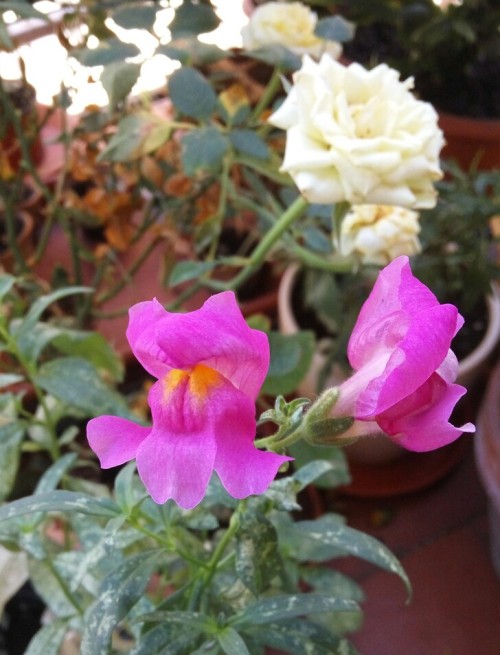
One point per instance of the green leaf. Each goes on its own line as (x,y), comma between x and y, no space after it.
(302,637)
(118,79)
(141,16)
(277,608)
(189,270)
(162,640)
(48,639)
(22,9)
(338,473)
(6,284)
(249,143)
(257,556)
(191,52)
(45,575)
(192,93)
(119,592)
(53,475)
(126,489)
(108,52)
(291,357)
(137,135)
(93,347)
(203,150)
(277,56)
(59,501)
(26,325)
(191,18)
(351,542)
(11,436)
(232,643)
(7,379)
(77,382)
(335,28)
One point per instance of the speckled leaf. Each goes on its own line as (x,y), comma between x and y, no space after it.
(119,592)
(76,382)
(232,643)
(351,542)
(59,501)
(302,637)
(52,476)
(278,608)
(257,556)
(11,436)
(47,641)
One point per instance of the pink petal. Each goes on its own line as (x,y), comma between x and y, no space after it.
(216,335)
(243,469)
(421,421)
(201,423)
(115,440)
(144,321)
(176,465)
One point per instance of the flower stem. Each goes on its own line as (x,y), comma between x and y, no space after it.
(293,213)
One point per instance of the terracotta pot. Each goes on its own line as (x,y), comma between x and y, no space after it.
(471,139)
(487,453)
(473,366)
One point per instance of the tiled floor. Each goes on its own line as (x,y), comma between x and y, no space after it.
(440,534)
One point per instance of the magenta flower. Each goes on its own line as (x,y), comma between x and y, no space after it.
(404,368)
(210,366)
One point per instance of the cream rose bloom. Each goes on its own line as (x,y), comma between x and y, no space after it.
(359,136)
(377,234)
(290,24)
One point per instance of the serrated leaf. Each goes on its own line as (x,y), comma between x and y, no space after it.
(203,150)
(277,56)
(108,52)
(11,436)
(118,80)
(137,135)
(191,93)
(119,592)
(77,383)
(59,501)
(249,143)
(278,608)
(291,357)
(141,16)
(335,28)
(193,18)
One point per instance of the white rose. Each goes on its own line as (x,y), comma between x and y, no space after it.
(377,234)
(359,136)
(290,24)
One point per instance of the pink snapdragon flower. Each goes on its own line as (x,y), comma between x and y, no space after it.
(210,366)
(404,368)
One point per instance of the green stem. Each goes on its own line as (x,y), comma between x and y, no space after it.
(267,96)
(293,213)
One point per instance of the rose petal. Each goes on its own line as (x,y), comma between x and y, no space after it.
(115,440)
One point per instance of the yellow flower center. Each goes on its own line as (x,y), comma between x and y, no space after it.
(201,379)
